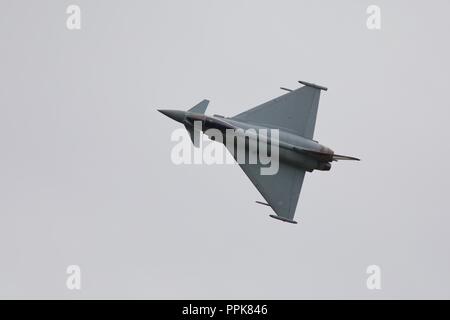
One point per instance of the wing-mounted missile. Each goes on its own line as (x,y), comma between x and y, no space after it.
(263,203)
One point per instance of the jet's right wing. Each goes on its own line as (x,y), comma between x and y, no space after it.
(281,190)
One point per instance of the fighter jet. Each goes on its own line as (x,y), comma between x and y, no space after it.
(294,115)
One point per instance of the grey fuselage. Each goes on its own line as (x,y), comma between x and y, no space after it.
(294,149)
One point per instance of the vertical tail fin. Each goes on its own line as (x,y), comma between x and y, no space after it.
(200,107)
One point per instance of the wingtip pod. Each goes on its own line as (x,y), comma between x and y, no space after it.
(312,85)
(282,219)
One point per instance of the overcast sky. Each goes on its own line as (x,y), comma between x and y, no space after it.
(85,171)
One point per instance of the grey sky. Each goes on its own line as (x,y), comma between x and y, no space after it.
(85,170)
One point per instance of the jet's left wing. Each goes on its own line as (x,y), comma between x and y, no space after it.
(295,111)
(281,190)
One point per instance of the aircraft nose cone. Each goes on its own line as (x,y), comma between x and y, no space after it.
(176,115)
